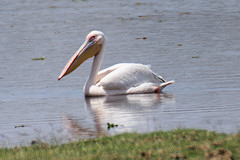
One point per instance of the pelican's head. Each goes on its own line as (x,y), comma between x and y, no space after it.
(91,47)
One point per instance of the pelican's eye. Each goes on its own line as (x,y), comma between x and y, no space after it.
(91,38)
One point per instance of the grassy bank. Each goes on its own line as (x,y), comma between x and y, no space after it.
(176,144)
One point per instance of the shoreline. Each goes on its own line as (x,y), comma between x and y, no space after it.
(174,144)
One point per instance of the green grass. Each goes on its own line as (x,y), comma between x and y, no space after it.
(176,144)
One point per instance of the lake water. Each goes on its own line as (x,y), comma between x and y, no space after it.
(196,43)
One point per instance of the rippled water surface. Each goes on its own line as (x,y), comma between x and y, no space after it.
(194,43)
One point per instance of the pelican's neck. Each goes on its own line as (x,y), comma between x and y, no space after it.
(97,61)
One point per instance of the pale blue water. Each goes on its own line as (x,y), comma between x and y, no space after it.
(194,43)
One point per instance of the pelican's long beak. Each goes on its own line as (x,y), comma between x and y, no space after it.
(87,50)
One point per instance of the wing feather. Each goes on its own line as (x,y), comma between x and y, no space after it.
(108,70)
(126,75)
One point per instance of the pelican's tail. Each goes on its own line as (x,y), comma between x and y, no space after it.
(164,84)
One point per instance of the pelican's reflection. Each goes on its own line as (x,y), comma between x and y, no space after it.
(129,112)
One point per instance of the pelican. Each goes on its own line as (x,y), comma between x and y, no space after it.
(122,78)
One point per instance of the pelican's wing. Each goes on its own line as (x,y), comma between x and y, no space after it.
(124,76)
(108,70)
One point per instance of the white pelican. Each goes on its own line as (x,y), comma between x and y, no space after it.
(123,78)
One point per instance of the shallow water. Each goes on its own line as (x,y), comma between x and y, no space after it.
(194,43)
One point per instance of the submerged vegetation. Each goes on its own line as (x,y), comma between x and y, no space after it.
(195,57)
(142,38)
(41,59)
(176,144)
(111,125)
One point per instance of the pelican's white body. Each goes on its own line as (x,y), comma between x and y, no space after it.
(125,78)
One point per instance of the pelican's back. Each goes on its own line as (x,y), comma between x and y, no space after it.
(129,75)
